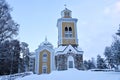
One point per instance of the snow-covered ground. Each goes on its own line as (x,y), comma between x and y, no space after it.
(73,74)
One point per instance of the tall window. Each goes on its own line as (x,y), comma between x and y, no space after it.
(68,32)
(44,58)
(44,69)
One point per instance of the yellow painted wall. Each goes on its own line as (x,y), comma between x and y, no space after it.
(68,24)
(41,63)
(69,41)
(72,39)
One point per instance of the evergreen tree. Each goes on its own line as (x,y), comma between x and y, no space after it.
(101,63)
(109,57)
(116,51)
(85,65)
(5,58)
(89,64)
(15,55)
(8,29)
(10,53)
(25,57)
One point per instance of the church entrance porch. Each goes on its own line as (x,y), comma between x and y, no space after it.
(68,61)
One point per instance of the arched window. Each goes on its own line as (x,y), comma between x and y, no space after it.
(44,57)
(66,32)
(70,29)
(66,29)
(70,32)
(66,14)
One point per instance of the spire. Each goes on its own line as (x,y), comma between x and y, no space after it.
(46,38)
(65,6)
(66,13)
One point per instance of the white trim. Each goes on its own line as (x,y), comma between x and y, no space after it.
(65,50)
(59,25)
(76,40)
(37,58)
(45,59)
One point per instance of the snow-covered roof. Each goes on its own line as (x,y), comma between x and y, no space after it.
(66,10)
(46,43)
(66,49)
(32,54)
(60,48)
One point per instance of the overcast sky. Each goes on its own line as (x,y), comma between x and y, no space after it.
(98,21)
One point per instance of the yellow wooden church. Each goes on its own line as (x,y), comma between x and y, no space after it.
(67,55)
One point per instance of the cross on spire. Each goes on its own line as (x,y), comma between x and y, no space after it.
(65,5)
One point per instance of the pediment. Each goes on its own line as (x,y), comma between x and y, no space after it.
(70,49)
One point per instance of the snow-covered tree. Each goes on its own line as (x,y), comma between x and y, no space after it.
(8,28)
(115,47)
(109,57)
(101,63)
(25,56)
(15,55)
(9,57)
(4,58)
(8,47)
(89,64)
(85,65)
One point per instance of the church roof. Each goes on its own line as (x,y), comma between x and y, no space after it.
(32,55)
(66,49)
(60,48)
(66,10)
(46,43)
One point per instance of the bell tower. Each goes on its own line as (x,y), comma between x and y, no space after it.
(67,29)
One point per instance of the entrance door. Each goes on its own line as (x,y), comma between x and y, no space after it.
(70,62)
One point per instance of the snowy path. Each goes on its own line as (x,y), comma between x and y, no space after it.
(74,74)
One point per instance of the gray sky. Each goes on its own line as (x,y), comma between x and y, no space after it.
(98,21)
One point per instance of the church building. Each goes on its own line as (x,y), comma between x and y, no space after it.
(67,55)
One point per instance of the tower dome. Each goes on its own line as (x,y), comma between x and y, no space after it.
(46,43)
